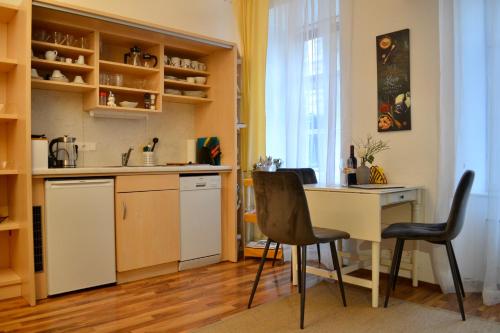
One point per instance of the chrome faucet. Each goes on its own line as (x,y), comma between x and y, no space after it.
(126,156)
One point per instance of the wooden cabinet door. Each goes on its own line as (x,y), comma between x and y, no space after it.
(147,229)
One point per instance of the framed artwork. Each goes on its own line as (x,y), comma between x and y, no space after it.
(393,81)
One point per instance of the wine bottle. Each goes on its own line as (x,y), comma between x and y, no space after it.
(352,164)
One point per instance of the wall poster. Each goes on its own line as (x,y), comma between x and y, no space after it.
(393,80)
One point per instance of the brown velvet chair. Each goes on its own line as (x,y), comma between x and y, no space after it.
(306,176)
(438,233)
(283,216)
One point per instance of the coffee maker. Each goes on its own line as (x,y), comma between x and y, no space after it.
(63,152)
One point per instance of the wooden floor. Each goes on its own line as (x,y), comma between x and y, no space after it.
(187,300)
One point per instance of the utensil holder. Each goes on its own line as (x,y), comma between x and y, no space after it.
(149,158)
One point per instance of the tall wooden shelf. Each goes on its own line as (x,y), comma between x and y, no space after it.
(16,259)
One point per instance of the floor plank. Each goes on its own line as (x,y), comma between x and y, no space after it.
(186,300)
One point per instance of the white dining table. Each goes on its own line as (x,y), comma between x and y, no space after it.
(358,211)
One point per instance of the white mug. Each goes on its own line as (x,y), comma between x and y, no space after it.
(194,64)
(69,61)
(34,72)
(57,74)
(51,55)
(186,63)
(175,61)
(78,79)
(80,60)
(202,66)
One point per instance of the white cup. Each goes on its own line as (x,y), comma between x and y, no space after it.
(200,79)
(202,66)
(175,61)
(190,79)
(51,55)
(57,74)
(69,60)
(80,60)
(34,72)
(78,79)
(194,64)
(186,63)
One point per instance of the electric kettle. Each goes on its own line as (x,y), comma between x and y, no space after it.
(63,152)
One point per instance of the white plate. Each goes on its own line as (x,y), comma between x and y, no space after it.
(127,104)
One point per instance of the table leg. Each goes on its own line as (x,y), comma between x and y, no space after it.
(294,265)
(375,272)
(340,248)
(416,209)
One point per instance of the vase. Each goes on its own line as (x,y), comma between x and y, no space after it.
(363,174)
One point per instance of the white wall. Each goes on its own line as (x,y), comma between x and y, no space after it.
(413,154)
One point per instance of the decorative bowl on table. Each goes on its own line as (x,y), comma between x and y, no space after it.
(127,104)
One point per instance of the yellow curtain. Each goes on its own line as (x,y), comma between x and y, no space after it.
(252,17)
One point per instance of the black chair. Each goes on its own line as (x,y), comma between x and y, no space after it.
(283,216)
(439,233)
(306,176)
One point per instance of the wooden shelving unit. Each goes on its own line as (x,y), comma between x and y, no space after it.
(9,225)
(16,232)
(126,69)
(7,117)
(6,65)
(63,49)
(185,99)
(175,84)
(61,86)
(47,64)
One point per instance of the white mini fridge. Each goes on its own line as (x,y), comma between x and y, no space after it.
(200,220)
(80,234)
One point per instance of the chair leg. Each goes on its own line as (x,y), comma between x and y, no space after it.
(391,274)
(276,250)
(257,277)
(398,263)
(458,271)
(455,279)
(299,271)
(319,253)
(336,265)
(303,286)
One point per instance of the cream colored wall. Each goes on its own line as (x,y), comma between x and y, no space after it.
(413,154)
(60,113)
(213,18)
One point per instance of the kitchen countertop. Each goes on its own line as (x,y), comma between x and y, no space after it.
(118,170)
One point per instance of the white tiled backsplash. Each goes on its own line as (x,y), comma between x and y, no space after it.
(61,113)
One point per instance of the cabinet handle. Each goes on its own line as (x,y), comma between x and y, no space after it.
(124,210)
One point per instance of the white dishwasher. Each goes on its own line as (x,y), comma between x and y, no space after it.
(80,234)
(200,220)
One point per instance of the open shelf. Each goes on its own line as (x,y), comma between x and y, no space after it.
(8,277)
(61,86)
(128,90)
(6,65)
(9,225)
(7,12)
(120,108)
(184,71)
(112,66)
(66,50)
(185,85)
(185,99)
(48,64)
(6,172)
(4,117)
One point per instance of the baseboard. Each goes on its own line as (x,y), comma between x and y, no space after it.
(147,272)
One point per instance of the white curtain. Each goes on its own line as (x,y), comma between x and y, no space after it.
(470,138)
(303,118)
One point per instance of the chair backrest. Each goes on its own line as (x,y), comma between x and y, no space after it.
(458,207)
(282,211)
(306,175)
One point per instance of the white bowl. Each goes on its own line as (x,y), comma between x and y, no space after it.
(127,104)
(195,93)
(173,92)
(200,79)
